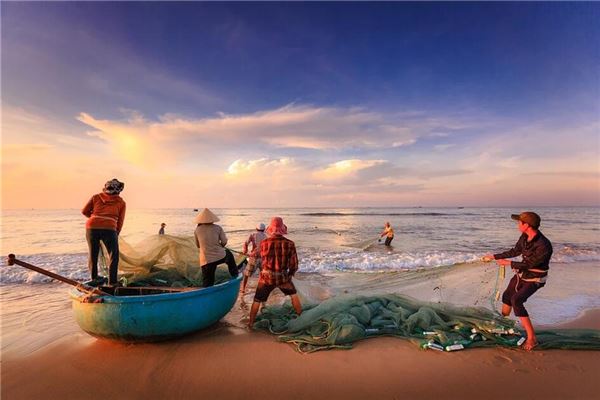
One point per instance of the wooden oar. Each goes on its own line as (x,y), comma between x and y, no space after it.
(12,260)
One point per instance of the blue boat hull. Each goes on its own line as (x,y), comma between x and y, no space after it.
(157,316)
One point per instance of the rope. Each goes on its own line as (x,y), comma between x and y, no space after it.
(496,293)
(234,251)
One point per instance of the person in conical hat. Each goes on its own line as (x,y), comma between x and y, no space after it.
(254,260)
(211,241)
(279,264)
(206,217)
(106,213)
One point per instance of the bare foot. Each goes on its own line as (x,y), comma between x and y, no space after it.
(529,345)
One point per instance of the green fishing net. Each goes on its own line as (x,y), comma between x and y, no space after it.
(342,320)
(163,260)
(339,320)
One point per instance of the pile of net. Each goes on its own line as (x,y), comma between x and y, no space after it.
(163,260)
(343,320)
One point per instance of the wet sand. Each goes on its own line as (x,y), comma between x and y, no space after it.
(45,355)
(230,363)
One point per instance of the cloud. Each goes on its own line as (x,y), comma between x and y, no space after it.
(345,169)
(284,181)
(243,156)
(443,146)
(290,127)
(565,174)
(241,168)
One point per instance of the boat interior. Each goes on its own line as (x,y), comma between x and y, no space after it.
(142,290)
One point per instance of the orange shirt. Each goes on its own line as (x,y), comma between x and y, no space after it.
(105,211)
(389,232)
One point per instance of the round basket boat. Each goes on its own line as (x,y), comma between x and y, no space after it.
(151,314)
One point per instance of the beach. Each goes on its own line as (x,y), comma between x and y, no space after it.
(420,178)
(434,259)
(225,362)
(47,355)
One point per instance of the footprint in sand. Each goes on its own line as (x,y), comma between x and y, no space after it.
(570,367)
(501,360)
(521,371)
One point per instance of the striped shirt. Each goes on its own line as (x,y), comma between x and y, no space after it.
(255,239)
(279,260)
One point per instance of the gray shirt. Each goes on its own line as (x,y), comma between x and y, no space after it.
(210,240)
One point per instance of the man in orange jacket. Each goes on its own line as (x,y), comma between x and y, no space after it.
(106,213)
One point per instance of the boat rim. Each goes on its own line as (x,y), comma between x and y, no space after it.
(76,294)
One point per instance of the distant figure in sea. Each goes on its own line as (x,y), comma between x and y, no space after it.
(211,241)
(161,231)
(279,264)
(106,214)
(254,260)
(530,274)
(388,232)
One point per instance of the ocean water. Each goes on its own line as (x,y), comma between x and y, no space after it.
(338,252)
(328,240)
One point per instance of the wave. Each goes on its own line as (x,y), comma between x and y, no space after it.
(73,266)
(361,261)
(379,259)
(570,253)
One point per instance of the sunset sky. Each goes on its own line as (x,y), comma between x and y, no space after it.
(301,104)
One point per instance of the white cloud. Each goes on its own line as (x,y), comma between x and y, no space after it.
(288,127)
(241,167)
(345,168)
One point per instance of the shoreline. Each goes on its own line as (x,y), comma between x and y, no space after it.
(227,362)
(586,319)
(34,316)
(45,354)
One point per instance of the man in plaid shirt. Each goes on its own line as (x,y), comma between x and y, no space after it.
(279,264)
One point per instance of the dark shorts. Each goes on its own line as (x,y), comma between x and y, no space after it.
(263,290)
(388,240)
(516,294)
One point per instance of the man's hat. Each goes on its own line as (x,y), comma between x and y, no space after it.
(277,227)
(528,217)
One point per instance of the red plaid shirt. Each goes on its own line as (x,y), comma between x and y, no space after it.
(279,260)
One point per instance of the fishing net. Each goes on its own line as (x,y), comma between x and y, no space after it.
(340,321)
(163,260)
(363,244)
(438,308)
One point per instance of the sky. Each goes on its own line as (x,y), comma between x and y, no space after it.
(301,104)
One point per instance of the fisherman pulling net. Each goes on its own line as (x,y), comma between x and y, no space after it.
(342,320)
(430,306)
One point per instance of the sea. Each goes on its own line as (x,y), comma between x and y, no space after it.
(338,252)
(328,240)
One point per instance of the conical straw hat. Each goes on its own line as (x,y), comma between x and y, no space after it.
(206,217)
